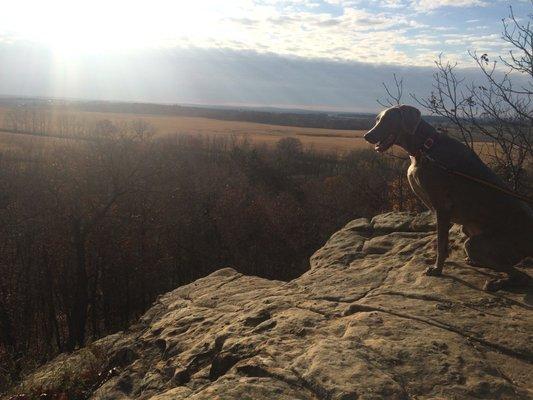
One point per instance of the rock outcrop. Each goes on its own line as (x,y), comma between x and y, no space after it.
(362,323)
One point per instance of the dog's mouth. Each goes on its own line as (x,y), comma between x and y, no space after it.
(385,144)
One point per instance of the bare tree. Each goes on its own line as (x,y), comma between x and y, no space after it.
(394,94)
(497,111)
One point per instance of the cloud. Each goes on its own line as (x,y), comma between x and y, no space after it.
(244,21)
(208,76)
(429,5)
(329,22)
(212,76)
(404,32)
(273,52)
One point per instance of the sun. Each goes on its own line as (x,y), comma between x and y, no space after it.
(73,26)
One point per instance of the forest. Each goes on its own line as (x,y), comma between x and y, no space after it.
(93,230)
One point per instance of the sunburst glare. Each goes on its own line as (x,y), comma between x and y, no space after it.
(70,27)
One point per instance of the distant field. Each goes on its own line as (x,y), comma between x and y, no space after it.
(316,138)
(319,139)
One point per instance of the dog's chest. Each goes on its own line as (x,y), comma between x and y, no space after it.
(414,176)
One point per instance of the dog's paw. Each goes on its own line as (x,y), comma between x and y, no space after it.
(433,271)
(493,285)
(471,262)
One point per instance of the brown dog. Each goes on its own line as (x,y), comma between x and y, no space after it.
(499,227)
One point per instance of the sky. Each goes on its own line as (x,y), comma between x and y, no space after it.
(322,54)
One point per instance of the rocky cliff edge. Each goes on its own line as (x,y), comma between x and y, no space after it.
(362,323)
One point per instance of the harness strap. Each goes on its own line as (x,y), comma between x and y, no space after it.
(433,139)
(477,180)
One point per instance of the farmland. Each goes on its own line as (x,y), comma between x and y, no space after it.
(200,122)
(324,140)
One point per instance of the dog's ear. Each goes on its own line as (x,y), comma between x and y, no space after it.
(410,117)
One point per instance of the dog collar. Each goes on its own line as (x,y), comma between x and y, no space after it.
(428,143)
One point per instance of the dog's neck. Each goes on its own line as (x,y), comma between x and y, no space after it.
(414,143)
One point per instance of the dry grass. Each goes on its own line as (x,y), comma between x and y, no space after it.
(323,140)
(316,138)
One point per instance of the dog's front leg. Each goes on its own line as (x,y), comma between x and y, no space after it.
(443,228)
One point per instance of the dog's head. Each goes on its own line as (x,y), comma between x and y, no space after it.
(395,125)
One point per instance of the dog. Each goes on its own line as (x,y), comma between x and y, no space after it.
(499,227)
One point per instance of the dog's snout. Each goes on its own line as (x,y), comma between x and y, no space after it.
(370,136)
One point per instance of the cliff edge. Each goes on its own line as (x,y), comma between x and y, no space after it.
(362,323)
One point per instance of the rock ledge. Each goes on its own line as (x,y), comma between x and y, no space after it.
(362,323)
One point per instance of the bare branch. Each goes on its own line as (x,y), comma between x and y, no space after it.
(394,95)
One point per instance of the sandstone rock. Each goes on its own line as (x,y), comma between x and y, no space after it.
(362,323)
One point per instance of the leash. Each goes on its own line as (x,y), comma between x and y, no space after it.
(428,144)
(478,180)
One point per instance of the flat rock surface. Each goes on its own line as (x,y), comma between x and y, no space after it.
(363,323)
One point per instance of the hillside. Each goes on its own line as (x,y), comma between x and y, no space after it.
(269,116)
(362,323)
